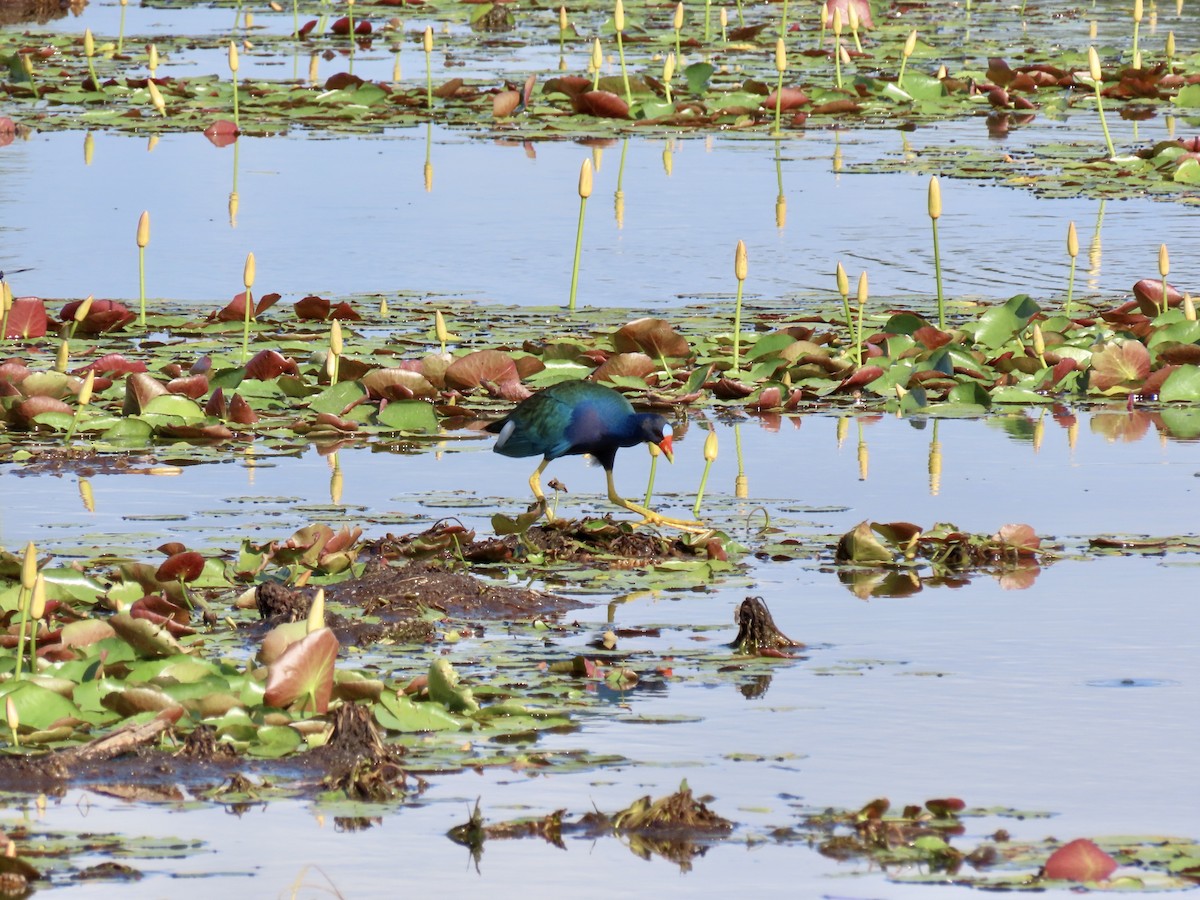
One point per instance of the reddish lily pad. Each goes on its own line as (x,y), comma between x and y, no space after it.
(1080,860)
(304,673)
(26,318)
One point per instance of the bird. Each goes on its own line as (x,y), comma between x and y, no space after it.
(576,417)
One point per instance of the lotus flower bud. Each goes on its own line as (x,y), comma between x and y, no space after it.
(89,43)
(156,98)
(562,18)
(152,58)
(427,39)
(233,57)
(780,56)
(316,612)
(844,55)
(837,21)
(710,446)
(37,605)
(1137,11)
(862,290)
(335,337)
(383,308)
(853,16)
(941,73)
(935,198)
(740,263)
(143,229)
(85,392)
(248,271)
(1170,44)
(1164,262)
(585,179)
(843,283)
(910,43)
(1189,308)
(439,327)
(14,722)
(669,66)
(1039,340)
(64,355)
(1094,65)
(619,16)
(677,22)
(1072,241)
(29,567)
(597,55)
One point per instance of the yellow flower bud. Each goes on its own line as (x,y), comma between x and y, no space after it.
(910,43)
(941,73)
(156,98)
(710,446)
(935,198)
(562,18)
(844,55)
(37,604)
(89,43)
(619,16)
(1094,65)
(335,337)
(14,722)
(439,327)
(383,308)
(1137,11)
(862,290)
(64,354)
(677,22)
(843,283)
(316,612)
(853,15)
(427,39)
(740,263)
(1072,241)
(1170,43)
(152,59)
(597,55)
(837,21)
(233,57)
(1039,340)
(669,66)
(27,65)
(780,56)
(29,567)
(1164,261)
(248,271)
(1189,308)
(585,179)
(85,392)
(143,229)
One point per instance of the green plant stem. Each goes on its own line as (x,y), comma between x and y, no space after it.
(837,62)
(1163,297)
(707,22)
(24,598)
(1070,289)
(72,428)
(850,328)
(429,80)
(737,446)
(92,73)
(624,73)
(700,492)
(296,19)
(678,52)
(737,327)
(121,32)
(237,120)
(778,103)
(821,35)
(650,480)
(858,330)
(741,15)
(900,77)
(142,287)
(246,325)
(578,249)
(937,271)
(1104,124)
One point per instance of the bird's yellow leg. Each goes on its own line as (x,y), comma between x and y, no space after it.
(535,484)
(649,517)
